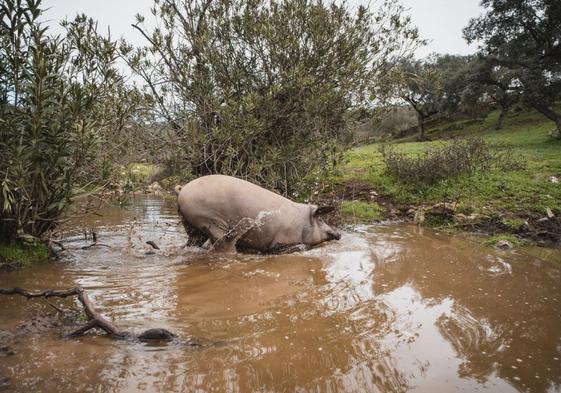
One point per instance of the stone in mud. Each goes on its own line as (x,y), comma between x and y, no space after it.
(504,245)
(443,208)
(155,187)
(4,382)
(157,334)
(6,351)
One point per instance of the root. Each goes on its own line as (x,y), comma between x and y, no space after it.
(95,319)
(95,245)
(153,245)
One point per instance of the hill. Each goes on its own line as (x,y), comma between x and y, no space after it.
(525,202)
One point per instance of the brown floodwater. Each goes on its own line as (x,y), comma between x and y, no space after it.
(388,308)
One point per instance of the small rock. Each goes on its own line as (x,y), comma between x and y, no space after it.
(504,245)
(419,217)
(553,179)
(6,351)
(549,213)
(373,193)
(157,334)
(460,217)
(4,382)
(542,220)
(155,187)
(443,208)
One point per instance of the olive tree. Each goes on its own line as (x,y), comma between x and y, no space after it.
(262,89)
(487,83)
(420,84)
(524,37)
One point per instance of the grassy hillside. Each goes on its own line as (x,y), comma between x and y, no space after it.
(506,198)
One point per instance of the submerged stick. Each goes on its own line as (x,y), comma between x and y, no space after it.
(95,245)
(95,319)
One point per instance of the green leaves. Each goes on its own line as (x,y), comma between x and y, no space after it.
(54,94)
(524,37)
(261,89)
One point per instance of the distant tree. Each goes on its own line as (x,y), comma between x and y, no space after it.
(262,89)
(431,86)
(492,84)
(453,70)
(524,37)
(420,84)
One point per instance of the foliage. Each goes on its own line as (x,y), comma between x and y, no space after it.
(455,158)
(431,86)
(54,95)
(419,84)
(524,37)
(486,82)
(23,254)
(262,89)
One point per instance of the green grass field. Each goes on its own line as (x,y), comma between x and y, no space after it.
(509,195)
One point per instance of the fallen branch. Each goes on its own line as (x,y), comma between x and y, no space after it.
(154,245)
(96,245)
(95,319)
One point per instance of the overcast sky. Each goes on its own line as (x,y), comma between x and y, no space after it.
(439,21)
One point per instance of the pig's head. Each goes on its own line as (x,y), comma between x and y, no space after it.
(319,231)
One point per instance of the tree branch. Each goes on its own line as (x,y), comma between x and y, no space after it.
(95,319)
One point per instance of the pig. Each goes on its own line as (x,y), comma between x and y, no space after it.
(225,212)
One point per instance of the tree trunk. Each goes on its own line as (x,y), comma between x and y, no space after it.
(502,117)
(557,133)
(551,115)
(421,128)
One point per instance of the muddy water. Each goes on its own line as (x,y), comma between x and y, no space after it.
(388,308)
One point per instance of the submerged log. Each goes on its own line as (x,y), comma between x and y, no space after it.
(95,319)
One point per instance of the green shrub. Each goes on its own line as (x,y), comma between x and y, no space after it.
(262,89)
(22,254)
(53,113)
(455,158)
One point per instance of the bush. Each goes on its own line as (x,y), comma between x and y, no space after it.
(53,96)
(262,89)
(455,158)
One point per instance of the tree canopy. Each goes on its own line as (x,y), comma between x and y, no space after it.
(262,89)
(524,36)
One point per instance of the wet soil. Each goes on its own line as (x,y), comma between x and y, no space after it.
(387,308)
(540,230)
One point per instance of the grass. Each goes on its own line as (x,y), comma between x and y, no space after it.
(512,196)
(138,174)
(494,240)
(23,254)
(363,211)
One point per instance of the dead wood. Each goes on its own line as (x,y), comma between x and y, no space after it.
(95,319)
(95,245)
(154,245)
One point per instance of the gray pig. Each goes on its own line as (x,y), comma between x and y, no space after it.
(225,211)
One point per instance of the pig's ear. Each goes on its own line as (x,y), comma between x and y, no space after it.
(322,210)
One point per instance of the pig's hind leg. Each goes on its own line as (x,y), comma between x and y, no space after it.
(227,242)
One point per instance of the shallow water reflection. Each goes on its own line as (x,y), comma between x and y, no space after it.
(388,308)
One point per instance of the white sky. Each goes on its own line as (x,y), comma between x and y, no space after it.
(439,21)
